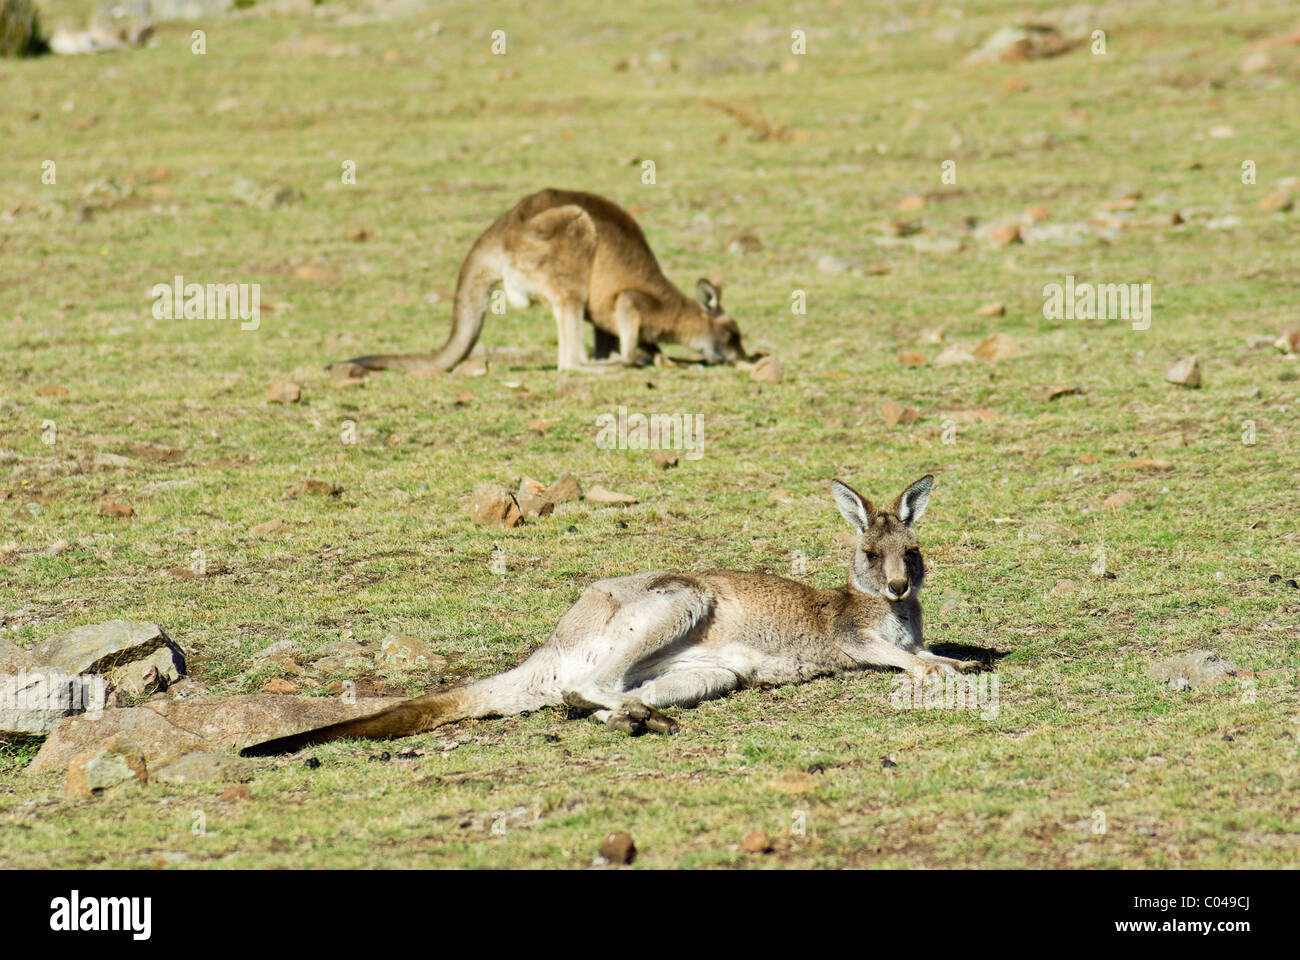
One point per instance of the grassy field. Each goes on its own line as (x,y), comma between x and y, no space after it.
(158,152)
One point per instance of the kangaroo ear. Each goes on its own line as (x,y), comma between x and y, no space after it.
(912,501)
(710,297)
(854,507)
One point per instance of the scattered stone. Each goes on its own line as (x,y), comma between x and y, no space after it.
(618,848)
(745,243)
(998,309)
(532,499)
(279,685)
(283,391)
(359,234)
(902,228)
(999,346)
(665,459)
(1147,464)
(768,370)
(232,793)
(314,486)
(756,841)
(1029,42)
(913,201)
(95,771)
(1199,669)
(564,490)
(911,358)
(347,373)
(831,263)
(117,649)
(1120,498)
(1007,234)
(266,529)
(1036,212)
(111,508)
(1185,372)
(1280,201)
(954,355)
(492,504)
(601,495)
(1050,391)
(894,413)
(1288,341)
(204,766)
(408,653)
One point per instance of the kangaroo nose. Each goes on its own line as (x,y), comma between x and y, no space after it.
(898,587)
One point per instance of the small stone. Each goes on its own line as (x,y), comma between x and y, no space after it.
(1147,464)
(745,243)
(768,370)
(347,372)
(1120,498)
(1288,341)
(618,848)
(267,528)
(756,841)
(111,508)
(998,309)
(665,459)
(1036,212)
(279,685)
(954,355)
(408,653)
(1065,588)
(831,263)
(1185,372)
(204,766)
(53,390)
(1199,669)
(1280,201)
(894,413)
(283,391)
(359,234)
(1007,234)
(913,201)
(314,486)
(232,793)
(532,499)
(911,358)
(491,503)
(999,346)
(606,497)
(792,781)
(1050,391)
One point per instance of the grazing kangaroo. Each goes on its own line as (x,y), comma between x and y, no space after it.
(584,256)
(632,645)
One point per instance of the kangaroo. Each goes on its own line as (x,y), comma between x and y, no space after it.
(584,256)
(632,645)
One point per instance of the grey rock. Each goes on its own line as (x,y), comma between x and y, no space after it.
(204,766)
(1199,669)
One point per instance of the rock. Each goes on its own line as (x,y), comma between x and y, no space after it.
(348,374)
(156,672)
(1028,42)
(901,228)
(1036,212)
(665,459)
(492,504)
(601,495)
(756,841)
(204,766)
(279,685)
(1185,372)
(999,346)
(618,848)
(913,201)
(953,355)
(1120,498)
(768,370)
(564,490)
(232,793)
(894,413)
(1279,201)
(314,486)
(911,358)
(35,698)
(94,771)
(267,528)
(283,391)
(971,416)
(992,310)
(166,730)
(831,263)
(191,10)
(1288,341)
(407,653)
(110,508)
(532,499)
(116,649)
(1199,669)
(745,243)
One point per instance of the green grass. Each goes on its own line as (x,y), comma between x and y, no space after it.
(445,136)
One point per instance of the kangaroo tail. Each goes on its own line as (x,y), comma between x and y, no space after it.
(508,693)
(477,275)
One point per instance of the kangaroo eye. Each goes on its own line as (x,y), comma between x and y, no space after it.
(871,554)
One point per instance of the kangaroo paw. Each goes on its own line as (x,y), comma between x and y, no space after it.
(622,723)
(577,701)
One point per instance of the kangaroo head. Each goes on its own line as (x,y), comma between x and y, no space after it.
(718,336)
(887,559)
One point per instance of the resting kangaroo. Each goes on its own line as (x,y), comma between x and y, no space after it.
(584,256)
(632,645)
